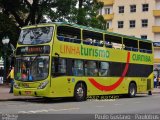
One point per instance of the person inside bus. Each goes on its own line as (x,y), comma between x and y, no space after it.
(87,41)
(108,44)
(24,71)
(90,68)
(95,42)
(77,68)
(101,43)
(104,69)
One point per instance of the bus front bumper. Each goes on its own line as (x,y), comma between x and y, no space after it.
(30,92)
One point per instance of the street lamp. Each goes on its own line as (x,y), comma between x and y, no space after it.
(5,42)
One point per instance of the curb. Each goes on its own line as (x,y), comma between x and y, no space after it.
(17,98)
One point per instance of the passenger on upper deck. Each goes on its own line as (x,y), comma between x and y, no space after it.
(88,41)
(108,44)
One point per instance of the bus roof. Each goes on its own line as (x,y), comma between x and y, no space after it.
(93,29)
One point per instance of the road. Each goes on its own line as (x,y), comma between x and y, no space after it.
(140,104)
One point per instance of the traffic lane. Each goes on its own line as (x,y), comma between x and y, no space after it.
(139,104)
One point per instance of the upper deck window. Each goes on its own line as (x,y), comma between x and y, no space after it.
(38,35)
(69,34)
(92,38)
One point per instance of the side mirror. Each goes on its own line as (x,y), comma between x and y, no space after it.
(57,54)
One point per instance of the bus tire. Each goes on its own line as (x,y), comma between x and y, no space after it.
(132,90)
(80,92)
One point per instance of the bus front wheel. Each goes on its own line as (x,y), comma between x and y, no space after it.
(80,92)
(132,90)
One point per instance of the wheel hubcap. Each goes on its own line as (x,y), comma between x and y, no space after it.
(132,91)
(80,92)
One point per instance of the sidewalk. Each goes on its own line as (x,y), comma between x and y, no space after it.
(5,95)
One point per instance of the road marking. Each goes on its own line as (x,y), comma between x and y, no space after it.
(66,109)
(99,106)
(137,102)
(117,104)
(38,111)
(22,112)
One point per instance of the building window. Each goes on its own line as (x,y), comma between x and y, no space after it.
(121,9)
(143,36)
(120,24)
(133,8)
(107,25)
(107,10)
(144,23)
(132,23)
(145,7)
(100,11)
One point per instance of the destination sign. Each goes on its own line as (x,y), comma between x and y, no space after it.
(33,50)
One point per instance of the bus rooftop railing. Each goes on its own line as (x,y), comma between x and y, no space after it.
(61,38)
(74,40)
(87,42)
(66,39)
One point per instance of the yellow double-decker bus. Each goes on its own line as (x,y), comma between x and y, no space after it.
(69,60)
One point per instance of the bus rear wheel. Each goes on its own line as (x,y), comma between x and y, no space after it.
(80,92)
(132,90)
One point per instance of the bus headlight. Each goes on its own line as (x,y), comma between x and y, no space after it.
(43,85)
(16,85)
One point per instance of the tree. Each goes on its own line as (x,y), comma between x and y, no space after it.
(23,12)
(8,28)
(83,12)
(19,13)
(87,14)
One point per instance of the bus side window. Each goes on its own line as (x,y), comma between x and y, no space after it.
(53,66)
(77,68)
(145,47)
(91,68)
(104,69)
(69,34)
(58,66)
(92,38)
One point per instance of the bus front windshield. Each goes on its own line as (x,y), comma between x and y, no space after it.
(38,35)
(32,68)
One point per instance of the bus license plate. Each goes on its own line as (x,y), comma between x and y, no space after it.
(28,92)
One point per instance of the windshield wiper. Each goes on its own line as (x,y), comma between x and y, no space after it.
(34,59)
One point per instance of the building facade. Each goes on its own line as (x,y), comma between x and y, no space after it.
(139,18)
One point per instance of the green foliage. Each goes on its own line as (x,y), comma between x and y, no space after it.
(8,28)
(82,12)
(87,14)
(19,13)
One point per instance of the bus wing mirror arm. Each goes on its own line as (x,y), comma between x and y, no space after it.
(57,54)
